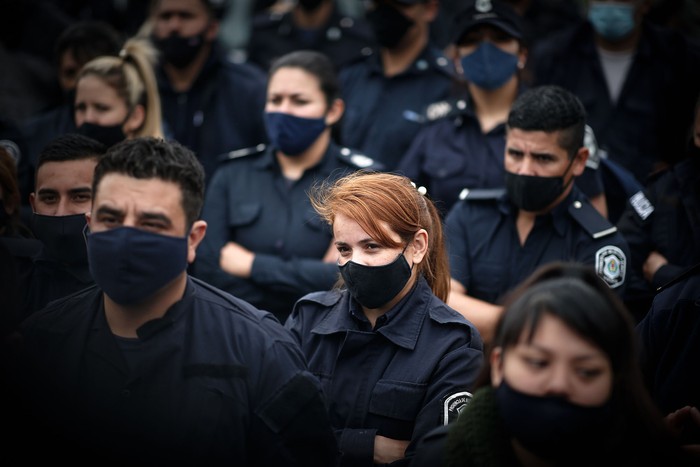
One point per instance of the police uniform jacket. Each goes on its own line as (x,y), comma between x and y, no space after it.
(650,120)
(250,202)
(665,217)
(213,381)
(382,115)
(409,374)
(222,111)
(485,252)
(343,39)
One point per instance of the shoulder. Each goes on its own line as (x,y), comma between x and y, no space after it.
(243,74)
(589,219)
(446,109)
(64,313)
(358,160)
(268,20)
(481,195)
(435,60)
(248,153)
(324,299)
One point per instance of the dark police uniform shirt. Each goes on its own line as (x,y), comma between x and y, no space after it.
(665,217)
(343,39)
(411,373)
(651,118)
(222,111)
(485,252)
(212,381)
(383,115)
(250,202)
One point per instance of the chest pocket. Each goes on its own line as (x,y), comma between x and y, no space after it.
(314,222)
(397,399)
(443,164)
(243,214)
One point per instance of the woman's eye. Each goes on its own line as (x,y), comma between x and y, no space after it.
(589,373)
(536,362)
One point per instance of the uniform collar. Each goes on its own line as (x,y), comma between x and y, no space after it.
(559,215)
(427,61)
(327,164)
(403,322)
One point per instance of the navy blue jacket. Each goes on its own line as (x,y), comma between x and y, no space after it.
(650,120)
(343,39)
(487,259)
(408,375)
(383,115)
(213,381)
(250,202)
(222,111)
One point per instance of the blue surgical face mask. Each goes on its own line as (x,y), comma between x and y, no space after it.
(488,66)
(292,135)
(612,20)
(130,265)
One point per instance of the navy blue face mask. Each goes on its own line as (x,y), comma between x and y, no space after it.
(62,237)
(374,286)
(488,66)
(552,427)
(180,51)
(107,135)
(130,265)
(292,135)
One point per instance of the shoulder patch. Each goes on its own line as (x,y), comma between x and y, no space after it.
(592,222)
(481,194)
(611,265)
(447,108)
(642,206)
(238,153)
(358,160)
(453,405)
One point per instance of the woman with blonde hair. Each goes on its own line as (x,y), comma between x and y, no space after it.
(117,96)
(394,360)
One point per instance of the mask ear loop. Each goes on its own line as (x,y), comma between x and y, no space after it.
(86,232)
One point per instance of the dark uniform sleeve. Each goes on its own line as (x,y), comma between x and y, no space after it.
(301,275)
(291,425)
(458,244)
(635,225)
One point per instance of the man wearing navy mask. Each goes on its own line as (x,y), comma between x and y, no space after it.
(210,104)
(152,364)
(62,196)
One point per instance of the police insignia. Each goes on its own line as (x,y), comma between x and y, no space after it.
(610,265)
(454,404)
(641,205)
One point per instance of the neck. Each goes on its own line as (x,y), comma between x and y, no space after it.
(181,79)
(524,224)
(305,19)
(124,320)
(492,106)
(397,60)
(294,167)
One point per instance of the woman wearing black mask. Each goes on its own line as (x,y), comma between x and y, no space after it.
(562,385)
(394,360)
(117,97)
(264,243)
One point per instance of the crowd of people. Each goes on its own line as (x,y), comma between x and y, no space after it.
(399,232)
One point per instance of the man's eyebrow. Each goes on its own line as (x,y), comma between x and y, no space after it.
(155,216)
(85,189)
(111,211)
(46,191)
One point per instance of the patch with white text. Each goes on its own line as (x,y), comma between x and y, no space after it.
(454,404)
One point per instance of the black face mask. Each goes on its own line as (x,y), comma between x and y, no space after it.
(374,286)
(180,51)
(63,237)
(389,25)
(532,193)
(310,5)
(552,427)
(107,135)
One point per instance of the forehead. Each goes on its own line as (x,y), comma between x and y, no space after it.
(553,334)
(137,195)
(93,87)
(69,173)
(347,229)
(189,6)
(534,141)
(292,80)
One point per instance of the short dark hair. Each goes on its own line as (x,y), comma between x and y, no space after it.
(87,40)
(147,157)
(71,147)
(314,63)
(551,109)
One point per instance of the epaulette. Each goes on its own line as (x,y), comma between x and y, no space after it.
(480,194)
(445,109)
(359,160)
(591,220)
(688,272)
(641,205)
(238,153)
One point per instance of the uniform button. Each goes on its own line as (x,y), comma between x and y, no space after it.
(126,393)
(442,61)
(346,22)
(366,51)
(461,104)
(345,151)
(422,65)
(333,34)
(577,204)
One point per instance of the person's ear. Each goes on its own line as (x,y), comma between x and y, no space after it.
(194,238)
(580,159)
(32,200)
(420,246)
(135,120)
(335,112)
(212,31)
(496,363)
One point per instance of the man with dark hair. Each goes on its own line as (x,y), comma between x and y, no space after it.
(210,104)
(153,365)
(497,238)
(62,197)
